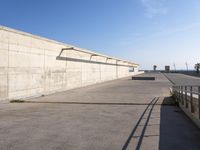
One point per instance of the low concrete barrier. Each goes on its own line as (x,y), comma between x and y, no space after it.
(31,66)
(143,78)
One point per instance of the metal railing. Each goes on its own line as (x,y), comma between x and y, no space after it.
(189,97)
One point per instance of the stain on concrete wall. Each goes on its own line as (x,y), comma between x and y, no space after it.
(3,64)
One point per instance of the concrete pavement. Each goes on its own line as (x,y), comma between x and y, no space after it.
(182,79)
(121,114)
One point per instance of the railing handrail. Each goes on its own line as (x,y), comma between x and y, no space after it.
(185,95)
(186,85)
(187,89)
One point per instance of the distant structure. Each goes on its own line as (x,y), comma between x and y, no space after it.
(167,68)
(174,67)
(186,66)
(154,68)
(197,67)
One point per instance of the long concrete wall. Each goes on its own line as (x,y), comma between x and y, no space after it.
(31,66)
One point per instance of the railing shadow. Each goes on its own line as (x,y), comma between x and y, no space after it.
(149,106)
(175,131)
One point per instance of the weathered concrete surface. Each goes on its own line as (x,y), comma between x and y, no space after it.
(31,65)
(126,121)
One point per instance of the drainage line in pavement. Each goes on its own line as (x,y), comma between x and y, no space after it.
(87,103)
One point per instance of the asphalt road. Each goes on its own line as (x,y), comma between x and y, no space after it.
(121,114)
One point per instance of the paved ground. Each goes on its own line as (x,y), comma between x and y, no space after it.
(191,73)
(181,79)
(122,114)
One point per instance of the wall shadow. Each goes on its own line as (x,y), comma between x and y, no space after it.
(177,131)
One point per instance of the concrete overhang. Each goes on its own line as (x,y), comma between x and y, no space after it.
(68,46)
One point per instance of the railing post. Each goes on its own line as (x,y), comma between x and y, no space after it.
(191,100)
(179,93)
(176,92)
(182,100)
(186,100)
(199,100)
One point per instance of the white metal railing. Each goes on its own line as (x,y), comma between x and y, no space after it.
(189,97)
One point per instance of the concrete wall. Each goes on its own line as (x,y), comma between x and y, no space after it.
(30,66)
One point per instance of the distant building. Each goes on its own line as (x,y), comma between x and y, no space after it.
(167,68)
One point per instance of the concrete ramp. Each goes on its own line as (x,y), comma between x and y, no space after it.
(121,114)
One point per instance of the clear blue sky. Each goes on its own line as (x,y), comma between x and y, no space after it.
(161,32)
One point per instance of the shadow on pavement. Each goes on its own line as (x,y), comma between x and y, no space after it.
(149,107)
(85,103)
(177,131)
(173,130)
